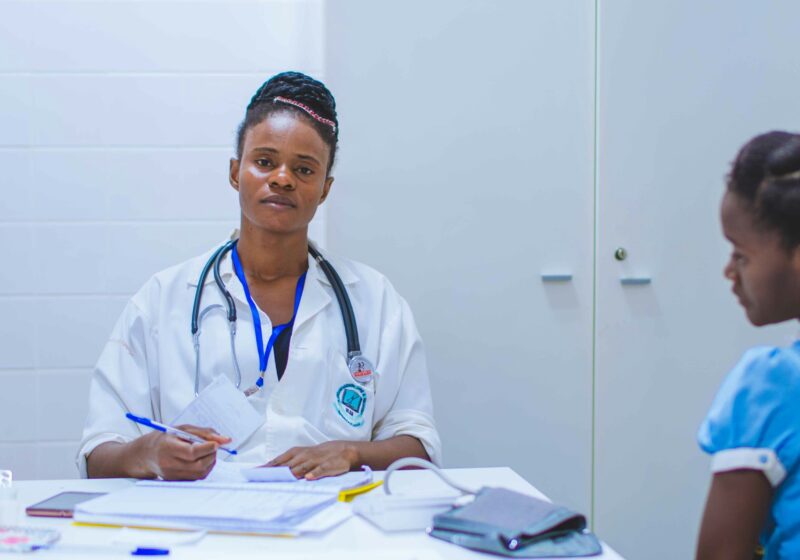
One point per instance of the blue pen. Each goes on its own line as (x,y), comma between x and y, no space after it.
(150,552)
(170,430)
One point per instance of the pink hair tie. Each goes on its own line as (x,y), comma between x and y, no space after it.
(308,110)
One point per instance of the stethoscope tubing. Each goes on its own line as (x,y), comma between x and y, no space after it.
(221,285)
(348,316)
(199,292)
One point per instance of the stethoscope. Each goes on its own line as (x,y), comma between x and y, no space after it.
(360,368)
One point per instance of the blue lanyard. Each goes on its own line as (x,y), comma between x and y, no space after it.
(263,354)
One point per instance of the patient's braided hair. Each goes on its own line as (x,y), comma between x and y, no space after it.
(766,175)
(297,93)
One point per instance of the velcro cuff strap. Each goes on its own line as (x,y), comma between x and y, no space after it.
(750,458)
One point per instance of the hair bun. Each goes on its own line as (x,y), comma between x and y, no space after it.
(294,92)
(299,87)
(786,159)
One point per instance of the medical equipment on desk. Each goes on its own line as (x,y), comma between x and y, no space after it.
(360,367)
(490,519)
(392,512)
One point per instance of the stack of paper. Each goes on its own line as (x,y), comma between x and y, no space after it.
(235,497)
(250,508)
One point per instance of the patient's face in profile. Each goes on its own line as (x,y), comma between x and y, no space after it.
(764,272)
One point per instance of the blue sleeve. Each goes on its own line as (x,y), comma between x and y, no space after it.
(758,406)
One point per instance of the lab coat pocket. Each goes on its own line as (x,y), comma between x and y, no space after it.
(351,404)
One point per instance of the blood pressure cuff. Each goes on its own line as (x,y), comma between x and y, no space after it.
(511,524)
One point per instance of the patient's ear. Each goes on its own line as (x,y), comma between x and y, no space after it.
(326,189)
(233,173)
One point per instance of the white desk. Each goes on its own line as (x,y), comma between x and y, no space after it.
(353,540)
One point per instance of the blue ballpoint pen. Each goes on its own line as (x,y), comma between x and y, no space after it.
(141,551)
(170,430)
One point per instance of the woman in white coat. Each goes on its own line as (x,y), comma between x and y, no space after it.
(315,415)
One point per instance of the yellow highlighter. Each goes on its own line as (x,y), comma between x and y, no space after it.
(350,493)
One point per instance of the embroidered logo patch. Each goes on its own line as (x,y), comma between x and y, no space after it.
(351,401)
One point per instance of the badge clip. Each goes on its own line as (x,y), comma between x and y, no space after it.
(361,368)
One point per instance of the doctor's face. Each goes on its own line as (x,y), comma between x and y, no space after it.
(765,275)
(282,176)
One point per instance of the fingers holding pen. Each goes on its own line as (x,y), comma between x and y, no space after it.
(190,452)
(208,434)
(172,458)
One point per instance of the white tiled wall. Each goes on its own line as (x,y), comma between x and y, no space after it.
(117,119)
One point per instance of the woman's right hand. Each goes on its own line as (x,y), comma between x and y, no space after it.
(171,458)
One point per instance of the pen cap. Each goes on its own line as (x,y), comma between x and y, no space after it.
(10,509)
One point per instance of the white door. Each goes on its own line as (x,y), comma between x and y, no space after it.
(466,175)
(682,84)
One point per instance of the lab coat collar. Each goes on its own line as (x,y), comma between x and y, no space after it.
(315,297)
(344,270)
(225,269)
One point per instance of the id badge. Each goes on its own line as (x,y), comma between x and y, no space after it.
(225,408)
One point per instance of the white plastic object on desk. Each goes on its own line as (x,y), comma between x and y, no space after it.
(401,513)
(9,502)
(395,512)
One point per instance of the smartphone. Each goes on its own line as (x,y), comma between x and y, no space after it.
(60,505)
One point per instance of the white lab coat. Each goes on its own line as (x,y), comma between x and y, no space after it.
(147,366)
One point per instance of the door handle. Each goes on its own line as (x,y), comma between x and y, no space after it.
(635,280)
(556,277)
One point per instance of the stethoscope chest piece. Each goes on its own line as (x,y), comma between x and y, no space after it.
(361,368)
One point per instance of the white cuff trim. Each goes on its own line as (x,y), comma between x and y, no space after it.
(750,458)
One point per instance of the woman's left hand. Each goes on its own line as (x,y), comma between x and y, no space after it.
(326,459)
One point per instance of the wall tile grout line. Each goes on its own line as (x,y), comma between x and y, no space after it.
(221,2)
(132,222)
(147,73)
(71,369)
(89,295)
(39,442)
(115,148)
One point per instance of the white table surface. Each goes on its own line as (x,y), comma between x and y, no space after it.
(353,540)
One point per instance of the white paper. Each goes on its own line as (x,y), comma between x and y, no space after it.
(338,483)
(250,509)
(327,519)
(225,408)
(243,476)
(229,479)
(228,471)
(269,474)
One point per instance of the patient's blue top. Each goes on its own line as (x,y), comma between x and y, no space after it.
(758,407)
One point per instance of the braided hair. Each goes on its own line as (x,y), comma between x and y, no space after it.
(766,175)
(299,94)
